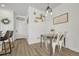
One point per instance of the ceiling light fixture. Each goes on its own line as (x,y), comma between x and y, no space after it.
(2,5)
(48,9)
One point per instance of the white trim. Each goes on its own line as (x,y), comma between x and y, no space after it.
(73,49)
(33,42)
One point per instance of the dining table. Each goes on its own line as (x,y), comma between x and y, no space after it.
(50,37)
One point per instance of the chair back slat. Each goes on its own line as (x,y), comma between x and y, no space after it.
(55,37)
(7,35)
(11,33)
(62,37)
(0,33)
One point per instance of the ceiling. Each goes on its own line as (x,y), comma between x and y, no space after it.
(22,8)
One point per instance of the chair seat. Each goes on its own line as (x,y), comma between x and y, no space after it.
(2,39)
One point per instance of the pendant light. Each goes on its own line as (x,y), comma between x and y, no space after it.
(48,9)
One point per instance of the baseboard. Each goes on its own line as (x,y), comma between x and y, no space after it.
(33,42)
(20,38)
(75,50)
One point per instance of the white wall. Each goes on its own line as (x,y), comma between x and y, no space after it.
(35,29)
(71,27)
(5,13)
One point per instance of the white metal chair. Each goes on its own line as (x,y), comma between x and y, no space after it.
(47,43)
(55,41)
(44,40)
(61,41)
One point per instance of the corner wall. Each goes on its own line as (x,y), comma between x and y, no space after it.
(35,29)
(72,29)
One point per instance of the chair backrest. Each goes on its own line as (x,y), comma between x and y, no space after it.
(55,37)
(59,35)
(11,33)
(7,35)
(62,37)
(0,33)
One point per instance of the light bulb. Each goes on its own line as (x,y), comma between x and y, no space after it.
(51,13)
(46,11)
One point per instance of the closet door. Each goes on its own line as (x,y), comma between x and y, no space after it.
(21,28)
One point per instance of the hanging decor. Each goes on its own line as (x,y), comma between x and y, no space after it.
(5,21)
(40,18)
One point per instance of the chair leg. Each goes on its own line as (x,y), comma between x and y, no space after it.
(46,44)
(12,43)
(4,47)
(60,47)
(41,42)
(54,46)
(10,46)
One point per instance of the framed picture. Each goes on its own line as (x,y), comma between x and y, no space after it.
(60,19)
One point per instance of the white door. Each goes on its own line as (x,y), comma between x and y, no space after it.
(21,29)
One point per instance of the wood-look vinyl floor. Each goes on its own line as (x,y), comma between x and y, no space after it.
(22,48)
